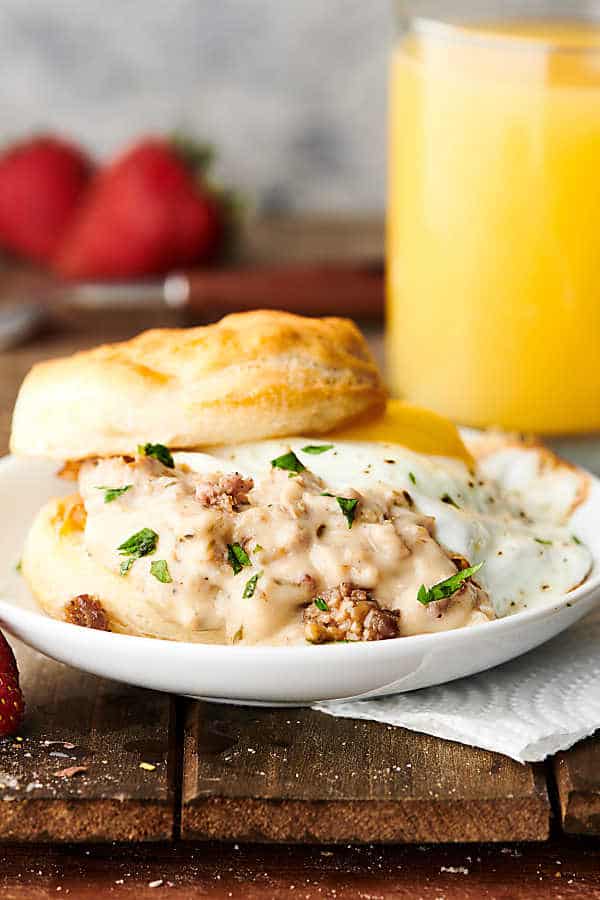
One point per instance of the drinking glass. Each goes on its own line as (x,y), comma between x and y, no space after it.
(493,243)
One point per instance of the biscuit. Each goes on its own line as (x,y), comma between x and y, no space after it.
(251,376)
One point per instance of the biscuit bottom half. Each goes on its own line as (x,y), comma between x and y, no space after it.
(59,571)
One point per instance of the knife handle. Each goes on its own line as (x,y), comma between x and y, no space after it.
(323,289)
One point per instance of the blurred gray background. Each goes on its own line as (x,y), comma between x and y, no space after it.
(291,92)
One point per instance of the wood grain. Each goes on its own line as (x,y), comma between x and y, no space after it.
(577,773)
(565,870)
(74,719)
(297,775)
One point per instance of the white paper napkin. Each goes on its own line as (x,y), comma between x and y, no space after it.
(528,709)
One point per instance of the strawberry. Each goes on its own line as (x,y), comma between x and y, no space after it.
(145,214)
(11,699)
(42,181)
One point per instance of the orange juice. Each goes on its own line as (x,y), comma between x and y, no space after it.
(494,224)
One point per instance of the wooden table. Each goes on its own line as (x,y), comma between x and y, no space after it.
(172,793)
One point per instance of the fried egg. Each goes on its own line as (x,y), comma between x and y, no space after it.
(510,511)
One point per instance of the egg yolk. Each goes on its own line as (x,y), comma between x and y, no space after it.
(417,429)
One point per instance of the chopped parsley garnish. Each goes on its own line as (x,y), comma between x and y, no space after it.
(159,452)
(446,498)
(239,635)
(316,449)
(125,566)
(446,588)
(542,541)
(346,504)
(237,558)
(289,462)
(139,544)
(411,475)
(576,540)
(348,507)
(321,604)
(111,494)
(258,548)
(19,566)
(251,586)
(160,570)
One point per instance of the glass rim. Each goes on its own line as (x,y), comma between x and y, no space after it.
(457,31)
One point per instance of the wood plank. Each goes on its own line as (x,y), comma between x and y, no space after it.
(577,773)
(73,719)
(297,775)
(565,870)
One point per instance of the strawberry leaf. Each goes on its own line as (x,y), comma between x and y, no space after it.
(197,156)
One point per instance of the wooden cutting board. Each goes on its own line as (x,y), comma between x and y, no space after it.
(98,761)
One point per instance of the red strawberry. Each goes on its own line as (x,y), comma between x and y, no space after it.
(11,699)
(41,184)
(145,214)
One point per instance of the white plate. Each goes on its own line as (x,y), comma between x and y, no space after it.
(268,675)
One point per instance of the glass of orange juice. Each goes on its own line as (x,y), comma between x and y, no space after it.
(494,213)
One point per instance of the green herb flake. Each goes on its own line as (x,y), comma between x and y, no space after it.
(348,507)
(446,498)
(238,636)
(346,504)
(258,549)
(160,570)
(411,475)
(237,558)
(575,539)
(289,462)
(423,595)
(19,566)
(111,494)
(139,544)
(542,541)
(251,586)
(159,452)
(317,449)
(446,588)
(321,604)
(125,566)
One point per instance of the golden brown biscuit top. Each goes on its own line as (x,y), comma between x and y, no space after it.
(253,375)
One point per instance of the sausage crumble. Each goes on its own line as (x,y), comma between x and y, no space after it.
(226,492)
(87,611)
(348,613)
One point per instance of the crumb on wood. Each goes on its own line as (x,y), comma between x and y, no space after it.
(71,771)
